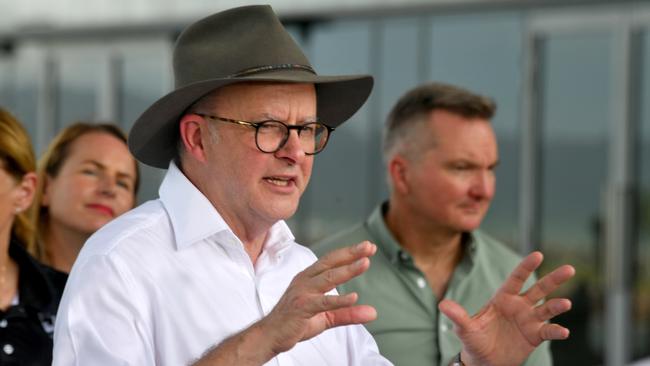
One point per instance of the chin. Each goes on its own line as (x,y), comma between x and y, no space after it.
(469,226)
(283,212)
(94,226)
(287,214)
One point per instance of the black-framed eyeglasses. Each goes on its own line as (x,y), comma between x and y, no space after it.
(272,135)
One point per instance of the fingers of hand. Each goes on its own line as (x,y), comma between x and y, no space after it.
(550,332)
(520,274)
(549,283)
(359,314)
(455,313)
(331,278)
(552,308)
(319,304)
(341,257)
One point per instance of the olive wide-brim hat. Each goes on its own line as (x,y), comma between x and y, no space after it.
(245,44)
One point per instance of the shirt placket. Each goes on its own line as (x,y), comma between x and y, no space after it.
(11,321)
(417,284)
(449,343)
(266,300)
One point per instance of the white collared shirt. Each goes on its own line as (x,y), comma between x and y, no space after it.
(169,280)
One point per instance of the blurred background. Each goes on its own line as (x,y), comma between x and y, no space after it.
(571,79)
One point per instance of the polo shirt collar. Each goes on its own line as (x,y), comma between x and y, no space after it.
(471,254)
(391,248)
(385,240)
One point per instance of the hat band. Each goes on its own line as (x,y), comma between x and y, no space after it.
(255,70)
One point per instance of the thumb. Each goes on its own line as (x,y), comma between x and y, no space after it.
(455,313)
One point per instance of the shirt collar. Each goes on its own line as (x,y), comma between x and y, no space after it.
(280,237)
(192,215)
(471,243)
(194,218)
(387,243)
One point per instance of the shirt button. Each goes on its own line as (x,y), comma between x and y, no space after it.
(3,323)
(421,282)
(403,256)
(444,327)
(8,349)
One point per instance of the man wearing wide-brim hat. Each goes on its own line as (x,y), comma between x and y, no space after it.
(209,273)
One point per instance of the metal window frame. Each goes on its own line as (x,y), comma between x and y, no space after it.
(620,192)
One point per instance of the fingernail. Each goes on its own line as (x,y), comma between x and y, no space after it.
(359,263)
(359,247)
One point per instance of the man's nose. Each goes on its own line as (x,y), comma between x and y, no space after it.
(482,185)
(293,149)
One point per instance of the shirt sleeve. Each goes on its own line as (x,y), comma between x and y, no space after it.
(362,348)
(100,320)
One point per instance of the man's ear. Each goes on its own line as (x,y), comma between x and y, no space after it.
(397,169)
(25,192)
(190,131)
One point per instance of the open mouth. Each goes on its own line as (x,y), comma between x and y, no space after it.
(280,181)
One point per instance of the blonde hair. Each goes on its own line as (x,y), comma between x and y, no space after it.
(50,164)
(18,157)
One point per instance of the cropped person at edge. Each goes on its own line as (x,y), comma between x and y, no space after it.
(29,291)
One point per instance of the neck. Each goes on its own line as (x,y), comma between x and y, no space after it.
(436,250)
(5,237)
(421,238)
(252,233)
(431,246)
(62,246)
(251,230)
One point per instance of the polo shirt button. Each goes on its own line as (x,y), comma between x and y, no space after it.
(8,349)
(421,282)
(3,323)
(403,256)
(444,327)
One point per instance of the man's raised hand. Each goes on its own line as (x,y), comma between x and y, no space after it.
(306,309)
(512,324)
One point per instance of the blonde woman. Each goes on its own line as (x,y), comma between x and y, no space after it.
(87,177)
(29,291)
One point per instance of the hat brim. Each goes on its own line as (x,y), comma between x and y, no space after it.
(153,138)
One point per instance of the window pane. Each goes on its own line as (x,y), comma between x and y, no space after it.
(145,77)
(79,79)
(24,102)
(575,109)
(400,69)
(641,315)
(143,82)
(337,195)
(483,53)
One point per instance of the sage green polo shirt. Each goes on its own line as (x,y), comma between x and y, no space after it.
(409,330)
